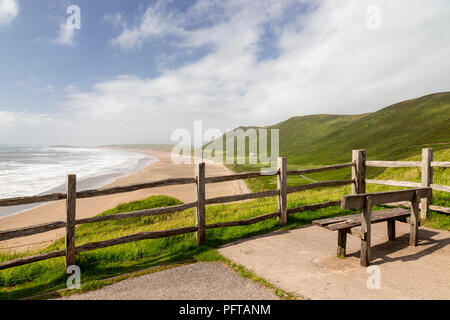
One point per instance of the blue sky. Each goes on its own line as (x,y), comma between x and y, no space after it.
(138,70)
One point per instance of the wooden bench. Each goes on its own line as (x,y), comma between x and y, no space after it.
(349,224)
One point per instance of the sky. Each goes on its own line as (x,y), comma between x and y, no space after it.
(127,71)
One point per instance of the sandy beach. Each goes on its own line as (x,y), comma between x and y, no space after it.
(161,169)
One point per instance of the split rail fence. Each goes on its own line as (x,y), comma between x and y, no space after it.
(358,183)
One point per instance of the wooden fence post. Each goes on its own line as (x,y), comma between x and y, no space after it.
(282,189)
(366,228)
(200,218)
(427,179)
(71,188)
(359,171)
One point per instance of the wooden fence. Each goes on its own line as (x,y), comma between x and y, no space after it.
(358,182)
(427,164)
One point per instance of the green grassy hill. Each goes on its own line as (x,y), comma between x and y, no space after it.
(395,132)
(392,133)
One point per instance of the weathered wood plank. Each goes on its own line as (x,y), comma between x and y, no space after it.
(328,221)
(320,184)
(282,188)
(376,217)
(320,169)
(33,199)
(439,187)
(359,171)
(94,192)
(391,230)
(245,196)
(393,164)
(395,183)
(366,228)
(134,187)
(30,259)
(426,179)
(358,200)
(27,231)
(135,237)
(244,222)
(440,164)
(231,177)
(71,188)
(414,221)
(342,242)
(439,209)
(200,212)
(140,213)
(310,207)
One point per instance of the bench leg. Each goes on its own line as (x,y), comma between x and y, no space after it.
(414,221)
(365,250)
(342,243)
(391,229)
(366,228)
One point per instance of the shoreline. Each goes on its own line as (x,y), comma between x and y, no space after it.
(91,182)
(161,169)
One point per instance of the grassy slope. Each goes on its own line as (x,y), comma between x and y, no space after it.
(395,132)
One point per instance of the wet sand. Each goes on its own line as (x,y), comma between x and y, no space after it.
(162,169)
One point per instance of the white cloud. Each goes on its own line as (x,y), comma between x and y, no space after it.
(9,10)
(65,35)
(327,61)
(12,119)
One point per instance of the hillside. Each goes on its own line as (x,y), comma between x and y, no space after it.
(395,132)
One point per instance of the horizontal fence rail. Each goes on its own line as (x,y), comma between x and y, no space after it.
(320,169)
(320,184)
(244,222)
(310,207)
(28,231)
(439,187)
(238,176)
(442,164)
(95,192)
(358,181)
(393,164)
(240,197)
(136,214)
(395,183)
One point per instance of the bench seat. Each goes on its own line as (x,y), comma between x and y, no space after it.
(354,220)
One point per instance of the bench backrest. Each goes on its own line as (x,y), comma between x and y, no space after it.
(357,201)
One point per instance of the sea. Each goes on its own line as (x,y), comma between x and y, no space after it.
(35,170)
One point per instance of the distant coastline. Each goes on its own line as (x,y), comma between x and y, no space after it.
(91,182)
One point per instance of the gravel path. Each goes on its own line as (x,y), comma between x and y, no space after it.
(198,281)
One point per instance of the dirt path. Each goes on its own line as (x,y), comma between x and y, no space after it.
(303,261)
(198,281)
